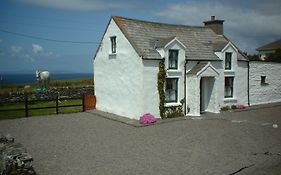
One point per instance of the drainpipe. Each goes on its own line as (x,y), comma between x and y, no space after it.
(186,61)
(248,83)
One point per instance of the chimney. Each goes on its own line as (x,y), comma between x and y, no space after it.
(215,25)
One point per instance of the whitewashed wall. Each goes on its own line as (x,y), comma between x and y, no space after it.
(239,72)
(241,83)
(118,77)
(150,89)
(262,94)
(179,73)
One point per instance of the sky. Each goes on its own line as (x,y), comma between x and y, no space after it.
(62,36)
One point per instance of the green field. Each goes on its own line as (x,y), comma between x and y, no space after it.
(75,83)
(14,113)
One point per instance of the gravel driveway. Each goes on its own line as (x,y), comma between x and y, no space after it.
(84,143)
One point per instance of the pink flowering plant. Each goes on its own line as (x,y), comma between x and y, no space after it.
(238,106)
(147,119)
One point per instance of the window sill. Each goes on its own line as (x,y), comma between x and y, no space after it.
(264,84)
(174,70)
(230,100)
(229,72)
(112,55)
(170,104)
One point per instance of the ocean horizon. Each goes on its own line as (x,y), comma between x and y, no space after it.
(30,78)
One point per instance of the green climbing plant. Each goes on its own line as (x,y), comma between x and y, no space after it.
(160,85)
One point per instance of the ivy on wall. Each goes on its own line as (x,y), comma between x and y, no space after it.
(160,84)
(166,112)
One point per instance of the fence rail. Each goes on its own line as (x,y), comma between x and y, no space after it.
(28,104)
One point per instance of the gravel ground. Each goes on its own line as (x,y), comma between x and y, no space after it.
(84,143)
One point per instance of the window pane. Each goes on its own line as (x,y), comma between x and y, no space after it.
(228,60)
(113,44)
(173,59)
(228,87)
(171,90)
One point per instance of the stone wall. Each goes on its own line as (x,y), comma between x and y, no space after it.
(268,91)
(49,94)
(14,160)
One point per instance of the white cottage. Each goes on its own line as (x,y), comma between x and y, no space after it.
(203,68)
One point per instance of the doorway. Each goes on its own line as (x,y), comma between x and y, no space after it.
(206,88)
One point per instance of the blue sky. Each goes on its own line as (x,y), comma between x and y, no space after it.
(249,24)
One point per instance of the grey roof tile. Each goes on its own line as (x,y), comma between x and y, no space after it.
(197,68)
(145,36)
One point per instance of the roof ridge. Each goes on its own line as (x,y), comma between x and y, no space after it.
(158,23)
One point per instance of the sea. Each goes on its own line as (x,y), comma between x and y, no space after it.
(30,78)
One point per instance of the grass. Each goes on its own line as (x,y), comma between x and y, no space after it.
(21,113)
(75,83)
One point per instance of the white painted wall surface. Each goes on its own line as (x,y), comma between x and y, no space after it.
(240,73)
(118,77)
(192,96)
(263,94)
(179,73)
(241,83)
(193,88)
(150,89)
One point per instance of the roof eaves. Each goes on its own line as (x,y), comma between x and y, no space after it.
(101,40)
(246,58)
(118,21)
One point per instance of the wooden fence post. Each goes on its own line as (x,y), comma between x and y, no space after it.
(83,103)
(57,104)
(26,105)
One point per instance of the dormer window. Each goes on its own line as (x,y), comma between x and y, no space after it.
(173,59)
(113,44)
(228,56)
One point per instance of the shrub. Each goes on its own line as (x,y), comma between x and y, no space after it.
(225,108)
(147,119)
(233,107)
(174,111)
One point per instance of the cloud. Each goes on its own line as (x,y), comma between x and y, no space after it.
(39,51)
(36,48)
(19,52)
(248,24)
(15,50)
(79,5)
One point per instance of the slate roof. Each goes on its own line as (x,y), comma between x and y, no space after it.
(161,42)
(197,68)
(270,46)
(145,37)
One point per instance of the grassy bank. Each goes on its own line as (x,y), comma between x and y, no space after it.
(82,82)
(21,113)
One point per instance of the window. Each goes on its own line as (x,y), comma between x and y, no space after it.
(173,59)
(263,80)
(228,87)
(171,90)
(228,60)
(113,44)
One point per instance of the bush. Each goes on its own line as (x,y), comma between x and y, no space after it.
(147,119)
(225,108)
(237,106)
(174,111)
(233,107)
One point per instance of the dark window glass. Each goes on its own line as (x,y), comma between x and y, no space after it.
(171,90)
(113,44)
(173,59)
(228,56)
(228,87)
